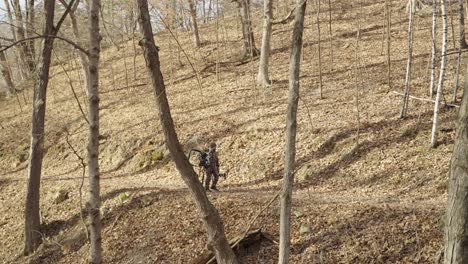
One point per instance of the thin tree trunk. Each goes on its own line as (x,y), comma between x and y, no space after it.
(10,19)
(193,16)
(434,48)
(77,37)
(204,11)
(20,34)
(5,69)
(330,34)
(210,217)
(218,56)
(441,76)
(461,25)
(291,124)
(249,42)
(93,141)
(456,233)
(319,50)
(451,24)
(410,58)
(263,76)
(31,20)
(32,237)
(457,76)
(389,30)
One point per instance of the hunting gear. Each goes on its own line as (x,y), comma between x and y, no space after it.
(208,162)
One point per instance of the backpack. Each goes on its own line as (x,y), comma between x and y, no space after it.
(204,159)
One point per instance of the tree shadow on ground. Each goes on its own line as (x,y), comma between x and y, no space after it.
(364,234)
(357,152)
(70,232)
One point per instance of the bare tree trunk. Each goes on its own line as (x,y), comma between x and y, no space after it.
(193,16)
(330,34)
(5,69)
(456,233)
(210,217)
(77,37)
(20,34)
(291,124)
(457,76)
(389,30)
(93,141)
(451,24)
(247,34)
(31,20)
(462,45)
(263,77)
(32,237)
(461,25)
(410,58)
(434,48)
(10,19)
(319,50)
(441,76)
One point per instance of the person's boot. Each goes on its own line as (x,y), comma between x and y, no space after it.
(207,189)
(214,188)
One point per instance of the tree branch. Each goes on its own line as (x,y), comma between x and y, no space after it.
(67,10)
(286,19)
(76,46)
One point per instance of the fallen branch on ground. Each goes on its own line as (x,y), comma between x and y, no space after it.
(426,100)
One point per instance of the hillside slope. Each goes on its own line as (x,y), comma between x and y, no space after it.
(378,197)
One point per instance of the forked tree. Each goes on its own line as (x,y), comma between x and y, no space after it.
(217,241)
(291,125)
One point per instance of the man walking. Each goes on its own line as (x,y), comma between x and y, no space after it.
(212,170)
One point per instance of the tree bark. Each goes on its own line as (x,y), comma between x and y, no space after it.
(32,237)
(193,16)
(216,238)
(456,222)
(5,69)
(291,124)
(262,77)
(404,107)
(93,141)
(441,76)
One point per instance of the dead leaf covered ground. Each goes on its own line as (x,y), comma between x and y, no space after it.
(379,199)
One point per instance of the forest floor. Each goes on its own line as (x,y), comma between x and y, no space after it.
(369,189)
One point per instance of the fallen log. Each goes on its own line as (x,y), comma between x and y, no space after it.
(237,243)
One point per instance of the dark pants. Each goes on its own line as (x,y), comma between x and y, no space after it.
(211,173)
